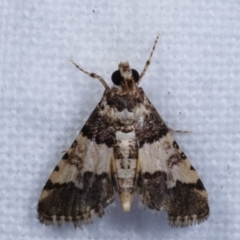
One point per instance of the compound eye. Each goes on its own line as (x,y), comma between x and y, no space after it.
(117,78)
(135,75)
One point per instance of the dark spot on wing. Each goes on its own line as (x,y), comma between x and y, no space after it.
(65,156)
(175,145)
(183,156)
(74,144)
(56,169)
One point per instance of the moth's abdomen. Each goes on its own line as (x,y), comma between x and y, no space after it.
(125,153)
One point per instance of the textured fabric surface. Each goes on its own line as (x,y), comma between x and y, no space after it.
(193,81)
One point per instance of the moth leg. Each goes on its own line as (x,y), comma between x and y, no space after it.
(179,131)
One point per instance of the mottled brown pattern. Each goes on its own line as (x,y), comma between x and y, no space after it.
(117,153)
(74,203)
(125,158)
(98,129)
(166,146)
(175,145)
(132,150)
(78,203)
(183,201)
(153,128)
(79,195)
(75,159)
(102,128)
(153,189)
(187,199)
(121,102)
(174,159)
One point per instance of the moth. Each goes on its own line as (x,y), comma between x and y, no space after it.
(124,147)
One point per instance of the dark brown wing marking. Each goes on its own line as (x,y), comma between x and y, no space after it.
(81,186)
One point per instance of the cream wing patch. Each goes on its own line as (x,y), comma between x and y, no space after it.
(169,181)
(80,186)
(162,155)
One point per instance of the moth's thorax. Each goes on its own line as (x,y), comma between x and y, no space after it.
(126,109)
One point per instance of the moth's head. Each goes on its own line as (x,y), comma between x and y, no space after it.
(125,75)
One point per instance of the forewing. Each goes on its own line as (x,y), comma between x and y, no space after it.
(167,180)
(80,186)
